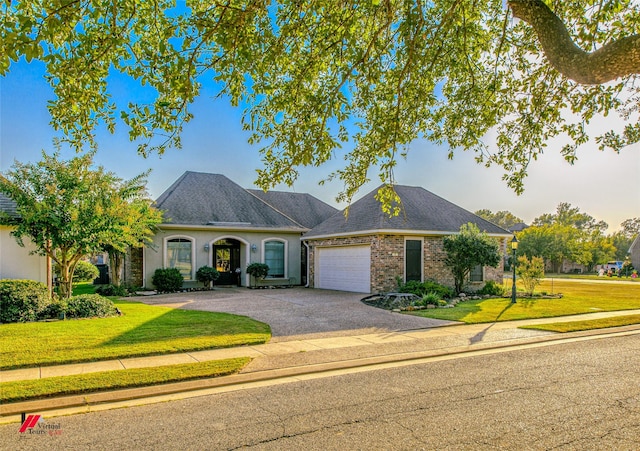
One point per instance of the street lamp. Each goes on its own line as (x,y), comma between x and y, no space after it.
(514,247)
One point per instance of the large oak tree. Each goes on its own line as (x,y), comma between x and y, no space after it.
(314,76)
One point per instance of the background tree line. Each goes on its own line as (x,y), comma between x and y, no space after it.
(569,234)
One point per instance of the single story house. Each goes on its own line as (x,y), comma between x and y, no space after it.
(211,221)
(367,251)
(18,262)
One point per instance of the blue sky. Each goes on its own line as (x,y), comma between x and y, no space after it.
(603,184)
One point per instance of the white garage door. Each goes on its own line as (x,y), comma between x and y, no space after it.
(345,268)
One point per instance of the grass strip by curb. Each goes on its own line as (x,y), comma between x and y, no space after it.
(576,326)
(111,380)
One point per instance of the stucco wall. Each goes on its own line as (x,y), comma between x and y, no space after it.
(154,254)
(15,261)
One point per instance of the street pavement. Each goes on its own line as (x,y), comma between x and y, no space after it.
(290,359)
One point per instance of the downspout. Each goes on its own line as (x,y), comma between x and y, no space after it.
(306,244)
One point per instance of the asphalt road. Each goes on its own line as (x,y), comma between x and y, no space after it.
(582,395)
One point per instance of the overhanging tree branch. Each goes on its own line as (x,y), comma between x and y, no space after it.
(614,60)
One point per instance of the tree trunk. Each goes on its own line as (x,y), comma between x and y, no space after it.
(116,260)
(616,59)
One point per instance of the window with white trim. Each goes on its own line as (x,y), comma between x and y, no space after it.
(179,254)
(476,274)
(274,257)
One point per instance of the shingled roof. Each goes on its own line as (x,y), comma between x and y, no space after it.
(303,208)
(198,198)
(422,212)
(8,206)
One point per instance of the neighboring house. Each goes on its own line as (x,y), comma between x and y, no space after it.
(634,253)
(367,251)
(210,220)
(17,262)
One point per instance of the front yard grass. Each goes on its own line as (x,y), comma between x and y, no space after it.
(113,380)
(141,330)
(578,298)
(576,326)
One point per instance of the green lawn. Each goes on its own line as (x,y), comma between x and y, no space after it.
(576,326)
(113,380)
(141,330)
(579,297)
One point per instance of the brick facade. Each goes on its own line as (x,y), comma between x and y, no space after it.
(388,257)
(133,267)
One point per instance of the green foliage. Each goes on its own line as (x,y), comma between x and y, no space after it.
(377,75)
(22,300)
(167,280)
(69,209)
(206,275)
(111,290)
(531,272)
(468,249)
(84,271)
(492,288)
(504,219)
(90,306)
(432,298)
(258,270)
(627,268)
(424,288)
(55,310)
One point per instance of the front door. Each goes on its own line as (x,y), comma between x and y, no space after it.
(226,259)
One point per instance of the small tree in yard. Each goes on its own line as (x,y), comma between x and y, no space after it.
(206,275)
(530,272)
(468,249)
(258,270)
(69,210)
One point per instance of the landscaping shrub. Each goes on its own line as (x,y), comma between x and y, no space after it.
(54,310)
(84,272)
(258,270)
(432,298)
(111,290)
(422,288)
(22,300)
(492,288)
(167,280)
(90,305)
(206,275)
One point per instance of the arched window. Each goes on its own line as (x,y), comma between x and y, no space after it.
(179,254)
(275,257)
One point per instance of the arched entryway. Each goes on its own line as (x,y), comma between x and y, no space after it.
(226,259)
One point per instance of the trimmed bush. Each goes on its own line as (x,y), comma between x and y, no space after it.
(89,306)
(491,288)
(206,275)
(84,272)
(55,310)
(423,288)
(22,300)
(167,280)
(111,290)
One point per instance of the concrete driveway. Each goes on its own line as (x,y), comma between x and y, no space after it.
(298,313)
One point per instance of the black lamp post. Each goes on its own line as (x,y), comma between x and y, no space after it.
(514,247)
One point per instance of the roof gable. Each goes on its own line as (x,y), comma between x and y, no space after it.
(421,211)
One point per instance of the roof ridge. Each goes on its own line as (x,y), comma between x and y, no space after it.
(248,190)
